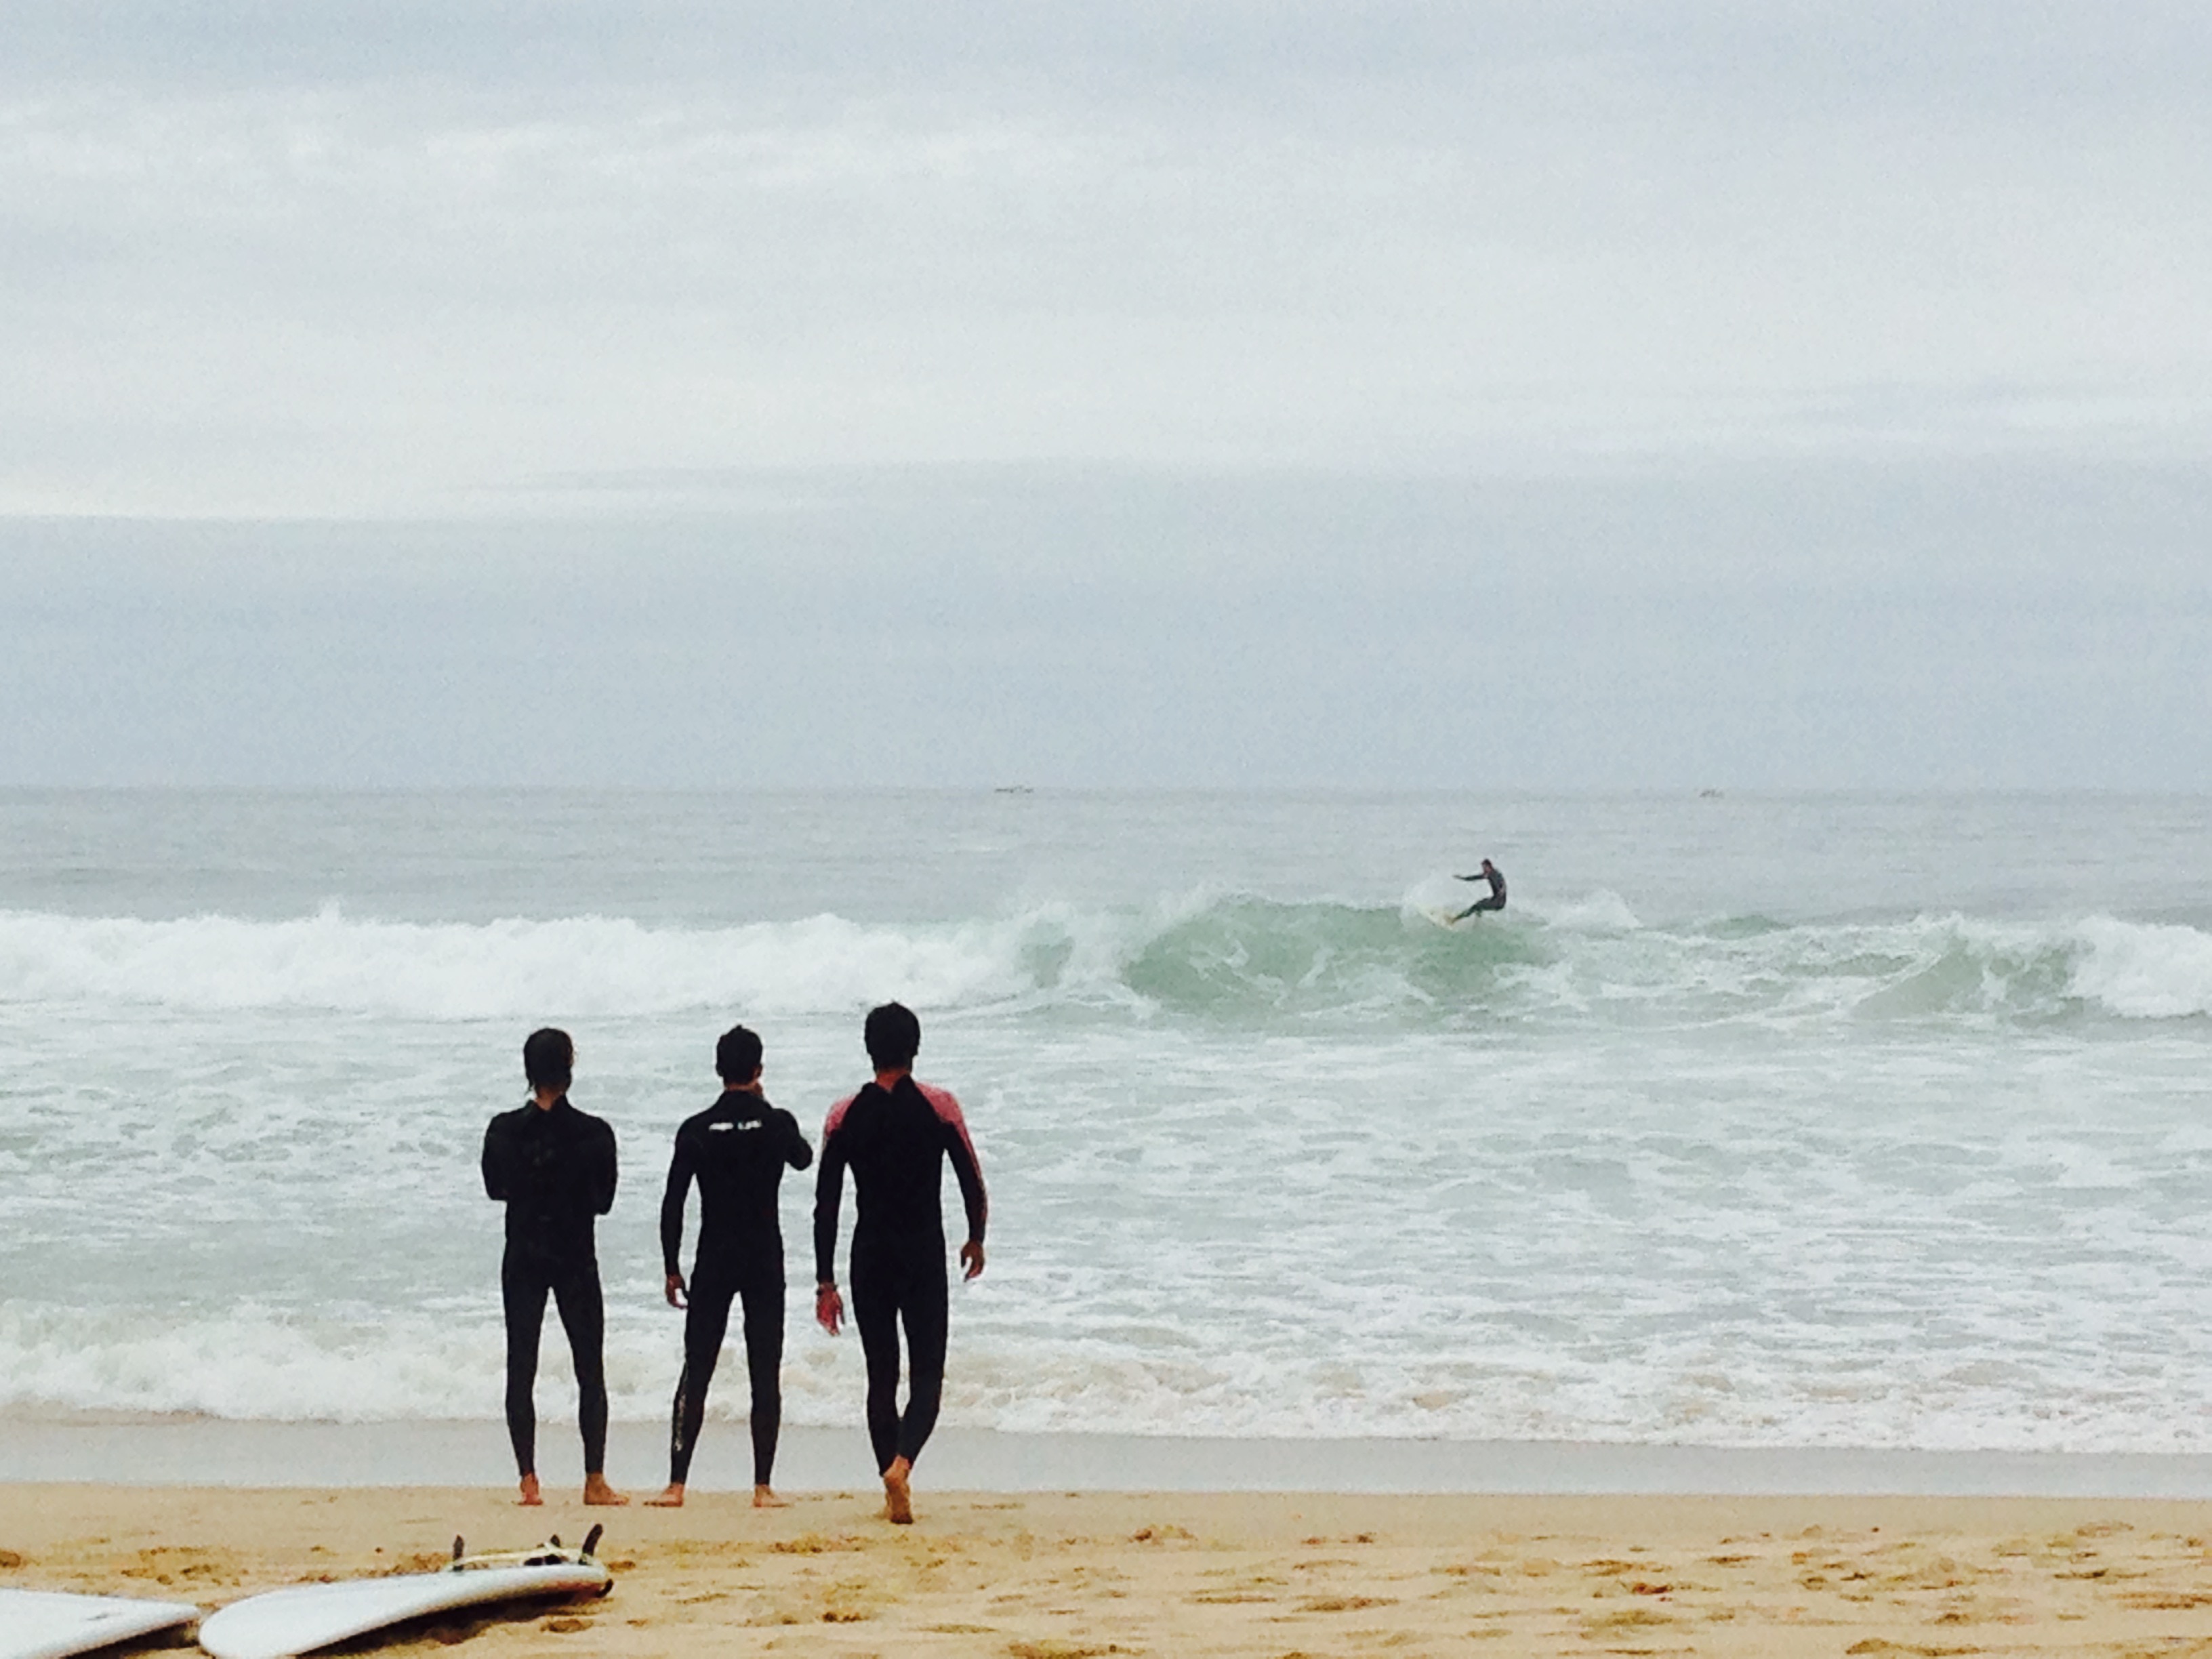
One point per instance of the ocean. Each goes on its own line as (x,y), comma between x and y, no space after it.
(1754,1121)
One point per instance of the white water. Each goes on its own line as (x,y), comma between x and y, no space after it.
(1926,1169)
(1212,953)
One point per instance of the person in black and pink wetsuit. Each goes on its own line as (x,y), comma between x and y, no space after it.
(1495,901)
(554,1168)
(896,1135)
(737,1151)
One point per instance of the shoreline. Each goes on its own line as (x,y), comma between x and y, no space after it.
(1243,1576)
(221,1453)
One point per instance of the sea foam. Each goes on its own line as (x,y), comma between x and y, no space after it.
(254,1363)
(1228,955)
(511,968)
(2144,970)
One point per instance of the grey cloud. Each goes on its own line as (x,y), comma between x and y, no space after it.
(448,299)
(1875,54)
(1581,394)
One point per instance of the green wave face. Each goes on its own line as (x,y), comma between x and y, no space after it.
(1249,960)
(1255,959)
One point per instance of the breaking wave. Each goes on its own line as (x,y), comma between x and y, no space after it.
(1208,956)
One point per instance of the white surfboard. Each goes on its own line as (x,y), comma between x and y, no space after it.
(286,1622)
(51,1625)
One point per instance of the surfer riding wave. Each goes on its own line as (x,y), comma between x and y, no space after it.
(1496,899)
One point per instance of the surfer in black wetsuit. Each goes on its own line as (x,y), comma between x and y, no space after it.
(554,1168)
(737,1150)
(896,1135)
(1495,901)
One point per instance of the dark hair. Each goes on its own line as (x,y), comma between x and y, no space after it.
(893,1035)
(738,1055)
(549,1059)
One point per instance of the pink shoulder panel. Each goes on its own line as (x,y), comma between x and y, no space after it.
(948,1109)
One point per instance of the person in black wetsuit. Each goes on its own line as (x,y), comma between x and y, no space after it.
(554,1168)
(736,1150)
(896,1135)
(1495,901)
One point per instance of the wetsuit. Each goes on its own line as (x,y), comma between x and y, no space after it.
(736,1150)
(1495,901)
(554,1168)
(897,1141)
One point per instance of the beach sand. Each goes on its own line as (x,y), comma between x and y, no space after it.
(1031,1575)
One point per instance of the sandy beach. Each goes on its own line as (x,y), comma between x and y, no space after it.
(1034,1575)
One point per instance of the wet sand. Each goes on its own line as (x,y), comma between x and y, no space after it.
(150,1450)
(1055,1576)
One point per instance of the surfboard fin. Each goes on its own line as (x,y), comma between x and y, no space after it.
(591,1541)
(456,1546)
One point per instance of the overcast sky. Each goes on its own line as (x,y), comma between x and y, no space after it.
(1648,394)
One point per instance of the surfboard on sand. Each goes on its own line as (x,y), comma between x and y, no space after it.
(51,1625)
(309,1616)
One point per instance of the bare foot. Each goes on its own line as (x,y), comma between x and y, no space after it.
(530,1498)
(671,1499)
(764,1497)
(596,1490)
(898,1497)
